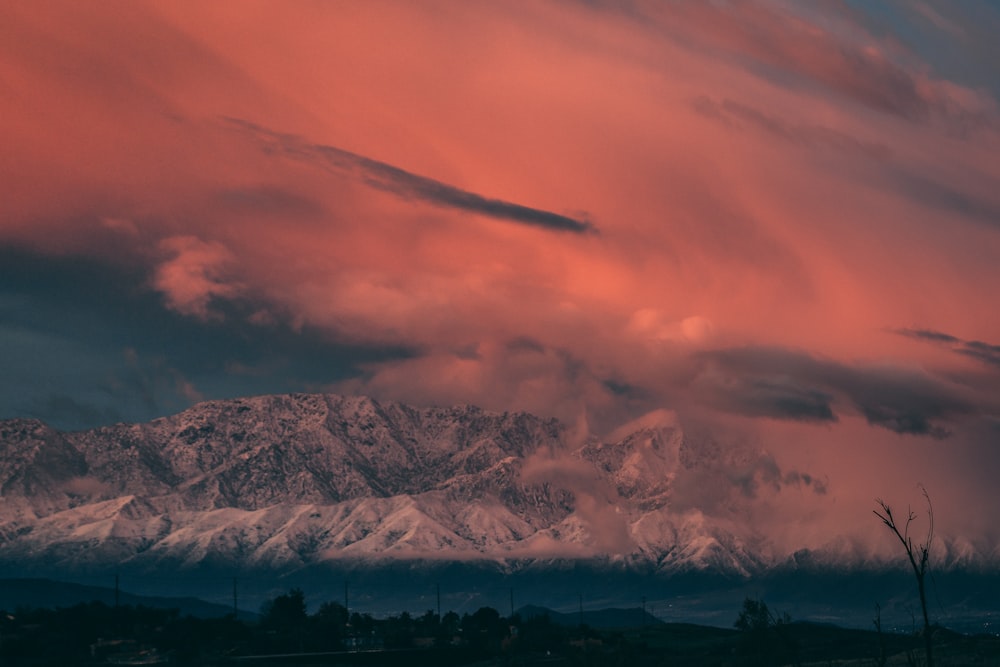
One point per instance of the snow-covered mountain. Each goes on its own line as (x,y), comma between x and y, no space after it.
(283,482)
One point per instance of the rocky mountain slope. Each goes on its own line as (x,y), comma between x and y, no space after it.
(283,482)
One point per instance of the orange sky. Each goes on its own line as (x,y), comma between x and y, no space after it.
(785,219)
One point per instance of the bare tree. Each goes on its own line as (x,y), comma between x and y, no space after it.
(882,657)
(918,555)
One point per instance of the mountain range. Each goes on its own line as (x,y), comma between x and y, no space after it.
(325,491)
(284,482)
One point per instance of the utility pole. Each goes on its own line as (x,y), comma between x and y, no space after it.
(581,611)
(644,611)
(347,607)
(512,602)
(118,617)
(236,610)
(437,589)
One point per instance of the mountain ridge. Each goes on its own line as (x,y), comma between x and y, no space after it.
(288,481)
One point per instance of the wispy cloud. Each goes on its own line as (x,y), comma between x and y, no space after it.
(408,185)
(949,199)
(987,353)
(810,136)
(836,52)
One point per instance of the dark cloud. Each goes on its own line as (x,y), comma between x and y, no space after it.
(987,353)
(154,381)
(776,398)
(788,384)
(626,390)
(86,342)
(905,401)
(927,334)
(984,352)
(409,185)
(69,412)
(915,420)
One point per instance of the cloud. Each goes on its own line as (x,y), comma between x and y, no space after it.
(929,335)
(513,375)
(122,226)
(66,411)
(795,478)
(928,187)
(154,381)
(834,51)
(737,114)
(727,473)
(789,384)
(409,185)
(949,199)
(194,274)
(764,176)
(986,353)
(89,343)
(267,199)
(774,398)
(594,501)
(653,324)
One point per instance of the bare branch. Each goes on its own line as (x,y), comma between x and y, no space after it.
(890,521)
(930,518)
(918,555)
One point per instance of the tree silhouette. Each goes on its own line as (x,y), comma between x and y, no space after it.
(285,611)
(917,553)
(329,626)
(450,624)
(764,637)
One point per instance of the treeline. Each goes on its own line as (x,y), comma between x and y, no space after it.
(95,633)
(286,627)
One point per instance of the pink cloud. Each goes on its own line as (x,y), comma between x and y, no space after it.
(835,50)
(759,177)
(693,223)
(193,274)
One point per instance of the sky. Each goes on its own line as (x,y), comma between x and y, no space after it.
(779,221)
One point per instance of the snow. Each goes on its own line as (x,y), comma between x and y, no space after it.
(286,481)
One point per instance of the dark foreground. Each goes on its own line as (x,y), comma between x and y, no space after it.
(100,634)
